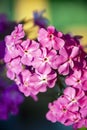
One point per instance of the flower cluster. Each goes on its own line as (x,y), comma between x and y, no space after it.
(36,66)
(29,63)
(10,96)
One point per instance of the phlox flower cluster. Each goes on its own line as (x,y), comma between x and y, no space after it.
(10,97)
(36,66)
(30,64)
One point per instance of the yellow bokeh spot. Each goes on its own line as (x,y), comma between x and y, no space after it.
(24,10)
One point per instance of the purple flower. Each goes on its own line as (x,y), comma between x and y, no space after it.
(13,98)
(10,100)
(39,19)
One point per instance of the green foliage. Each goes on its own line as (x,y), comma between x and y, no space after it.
(66,13)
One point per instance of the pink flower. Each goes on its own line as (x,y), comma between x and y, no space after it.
(15,36)
(42,79)
(32,84)
(74,95)
(28,50)
(12,42)
(66,59)
(66,108)
(78,79)
(46,57)
(50,38)
(61,111)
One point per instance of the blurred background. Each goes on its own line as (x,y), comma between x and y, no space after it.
(68,16)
